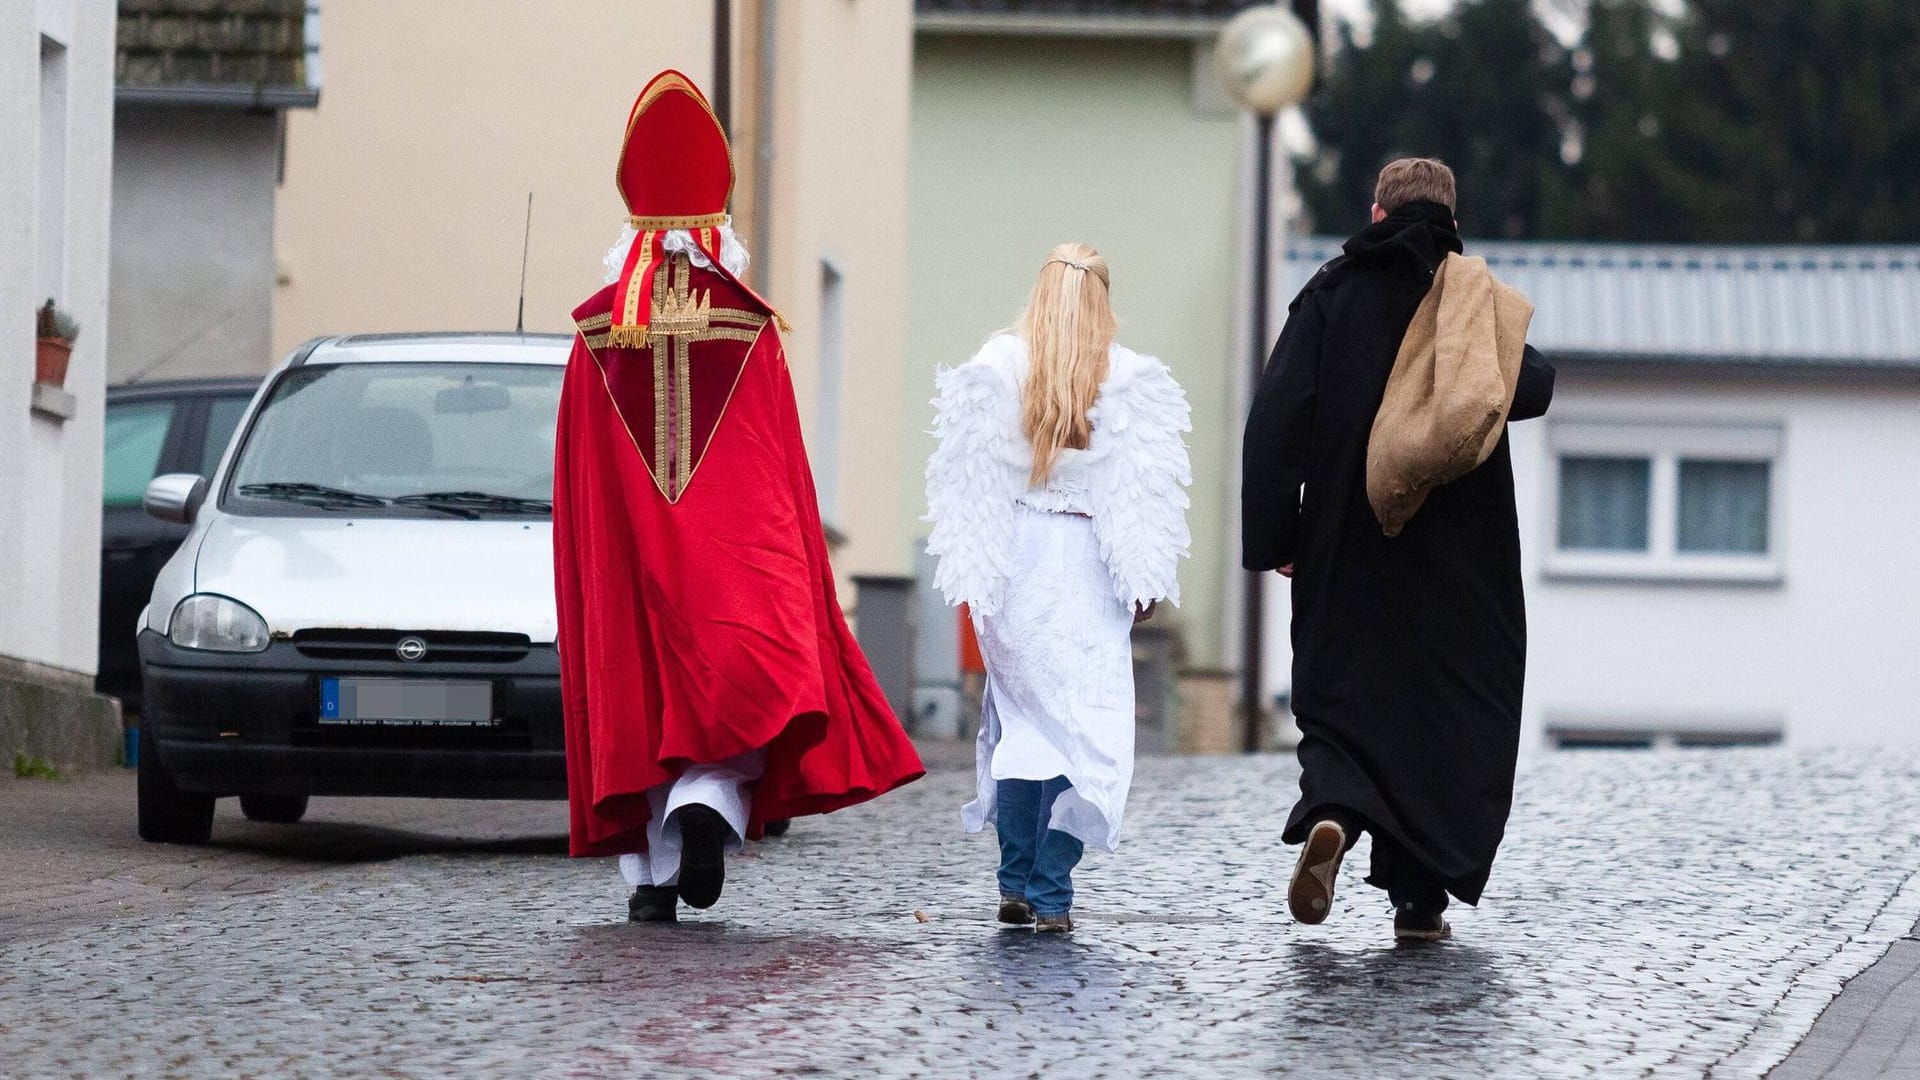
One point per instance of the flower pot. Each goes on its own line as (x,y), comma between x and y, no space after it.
(50,361)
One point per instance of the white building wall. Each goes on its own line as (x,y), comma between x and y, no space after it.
(193,192)
(49,468)
(1829,651)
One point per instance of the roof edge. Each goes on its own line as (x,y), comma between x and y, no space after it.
(1737,363)
(220,97)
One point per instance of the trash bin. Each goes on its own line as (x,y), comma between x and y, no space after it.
(884,625)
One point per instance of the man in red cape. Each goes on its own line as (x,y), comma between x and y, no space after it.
(709,680)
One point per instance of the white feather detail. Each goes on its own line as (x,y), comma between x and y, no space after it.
(733,254)
(1137,468)
(1138,491)
(973,479)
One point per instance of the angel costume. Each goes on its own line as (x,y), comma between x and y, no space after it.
(1052,576)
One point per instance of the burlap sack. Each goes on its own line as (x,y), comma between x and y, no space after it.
(1446,402)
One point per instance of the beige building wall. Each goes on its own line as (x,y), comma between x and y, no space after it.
(406,189)
(1020,143)
(842,82)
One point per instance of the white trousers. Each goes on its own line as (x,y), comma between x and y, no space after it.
(721,785)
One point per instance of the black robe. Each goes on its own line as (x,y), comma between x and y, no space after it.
(1408,653)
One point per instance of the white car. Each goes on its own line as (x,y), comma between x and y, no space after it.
(364,605)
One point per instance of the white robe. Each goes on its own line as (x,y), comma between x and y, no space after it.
(1052,575)
(724,786)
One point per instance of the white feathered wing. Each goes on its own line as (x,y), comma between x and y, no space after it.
(1139,486)
(974,478)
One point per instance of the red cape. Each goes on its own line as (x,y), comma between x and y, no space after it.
(696,628)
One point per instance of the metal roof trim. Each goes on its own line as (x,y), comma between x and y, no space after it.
(220,97)
(1765,306)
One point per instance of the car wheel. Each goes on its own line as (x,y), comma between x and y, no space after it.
(281,809)
(167,814)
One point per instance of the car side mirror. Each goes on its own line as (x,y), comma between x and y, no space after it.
(175,497)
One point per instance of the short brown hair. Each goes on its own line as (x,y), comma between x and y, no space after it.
(1414,179)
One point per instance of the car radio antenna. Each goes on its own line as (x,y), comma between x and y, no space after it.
(520,320)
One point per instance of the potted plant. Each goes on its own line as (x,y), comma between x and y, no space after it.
(56,332)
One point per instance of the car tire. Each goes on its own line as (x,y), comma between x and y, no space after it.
(279,809)
(167,814)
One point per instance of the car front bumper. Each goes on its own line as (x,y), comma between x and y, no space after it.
(232,723)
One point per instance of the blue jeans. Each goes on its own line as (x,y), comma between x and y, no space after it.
(1035,862)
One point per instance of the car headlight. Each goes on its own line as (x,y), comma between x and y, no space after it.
(217,624)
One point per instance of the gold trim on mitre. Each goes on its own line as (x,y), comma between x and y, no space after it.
(666,224)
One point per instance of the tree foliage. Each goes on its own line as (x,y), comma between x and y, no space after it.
(1732,121)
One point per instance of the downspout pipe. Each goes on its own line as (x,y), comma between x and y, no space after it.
(763,153)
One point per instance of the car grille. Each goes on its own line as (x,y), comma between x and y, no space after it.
(442,646)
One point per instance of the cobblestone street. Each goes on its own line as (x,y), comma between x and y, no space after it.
(1663,914)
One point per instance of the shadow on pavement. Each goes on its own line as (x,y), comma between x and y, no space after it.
(336,842)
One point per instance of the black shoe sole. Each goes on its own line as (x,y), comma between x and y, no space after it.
(703,855)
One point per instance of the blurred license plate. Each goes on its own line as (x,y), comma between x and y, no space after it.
(406,702)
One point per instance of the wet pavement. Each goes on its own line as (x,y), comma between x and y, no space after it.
(1662,914)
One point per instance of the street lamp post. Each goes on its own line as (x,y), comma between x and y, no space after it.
(1266,60)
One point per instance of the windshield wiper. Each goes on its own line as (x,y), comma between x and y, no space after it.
(320,495)
(471,501)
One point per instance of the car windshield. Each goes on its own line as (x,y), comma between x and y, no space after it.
(430,439)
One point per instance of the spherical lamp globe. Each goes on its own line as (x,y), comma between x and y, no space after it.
(1266,58)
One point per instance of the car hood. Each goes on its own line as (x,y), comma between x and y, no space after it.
(303,573)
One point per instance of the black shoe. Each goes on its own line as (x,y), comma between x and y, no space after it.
(1412,924)
(1015,911)
(778,827)
(653,903)
(703,854)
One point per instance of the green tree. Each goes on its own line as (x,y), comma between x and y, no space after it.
(1788,122)
(1735,121)
(1483,89)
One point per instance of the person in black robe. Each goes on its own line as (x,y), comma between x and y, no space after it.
(1409,652)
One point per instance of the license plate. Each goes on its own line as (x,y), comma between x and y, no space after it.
(406,702)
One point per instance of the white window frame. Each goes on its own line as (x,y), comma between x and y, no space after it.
(1664,444)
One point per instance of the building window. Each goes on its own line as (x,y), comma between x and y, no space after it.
(825,452)
(1723,506)
(1603,503)
(1664,502)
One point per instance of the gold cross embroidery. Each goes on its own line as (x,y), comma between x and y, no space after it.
(679,318)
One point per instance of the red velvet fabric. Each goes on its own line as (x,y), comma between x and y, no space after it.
(675,161)
(695,631)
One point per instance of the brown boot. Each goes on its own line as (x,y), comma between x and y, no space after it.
(1015,911)
(1310,896)
(1053,924)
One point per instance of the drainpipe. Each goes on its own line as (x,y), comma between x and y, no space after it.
(763,154)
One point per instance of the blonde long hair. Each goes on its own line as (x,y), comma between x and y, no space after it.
(1068,327)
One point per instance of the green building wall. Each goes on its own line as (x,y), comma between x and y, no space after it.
(1021,143)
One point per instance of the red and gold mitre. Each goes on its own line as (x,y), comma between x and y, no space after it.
(675,172)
